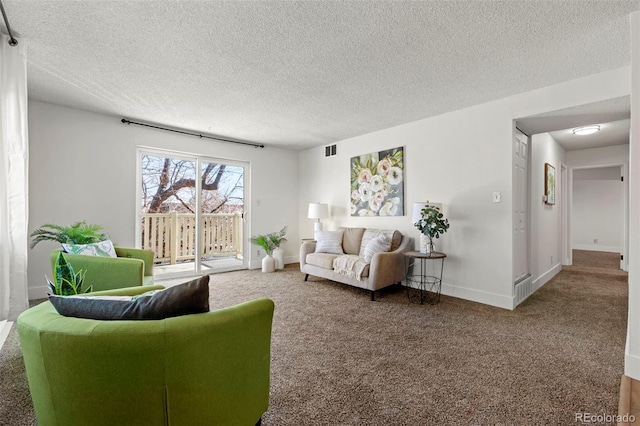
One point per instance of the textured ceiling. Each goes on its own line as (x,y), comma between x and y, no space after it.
(298,74)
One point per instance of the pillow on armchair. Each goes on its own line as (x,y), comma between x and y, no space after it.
(103,248)
(189,298)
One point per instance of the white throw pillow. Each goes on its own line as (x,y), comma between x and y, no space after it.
(329,242)
(381,243)
(103,248)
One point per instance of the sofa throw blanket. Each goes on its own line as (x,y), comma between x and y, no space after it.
(350,266)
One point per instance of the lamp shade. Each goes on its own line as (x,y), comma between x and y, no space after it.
(318,211)
(417,210)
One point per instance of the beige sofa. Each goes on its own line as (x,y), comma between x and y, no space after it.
(357,257)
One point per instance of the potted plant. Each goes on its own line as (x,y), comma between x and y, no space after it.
(269,243)
(265,242)
(277,238)
(431,225)
(66,281)
(78,233)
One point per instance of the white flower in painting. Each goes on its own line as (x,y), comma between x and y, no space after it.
(365,212)
(376,183)
(365,192)
(355,195)
(352,209)
(395,175)
(364,176)
(394,200)
(386,189)
(388,209)
(384,166)
(374,204)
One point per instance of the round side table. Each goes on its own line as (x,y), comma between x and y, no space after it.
(422,281)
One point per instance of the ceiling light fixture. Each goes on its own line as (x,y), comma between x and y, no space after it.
(586,130)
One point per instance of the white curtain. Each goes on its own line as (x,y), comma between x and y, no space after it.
(14,184)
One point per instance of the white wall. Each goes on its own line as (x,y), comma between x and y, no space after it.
(458,159)
(632,352)
(597,213)
(546,226)
(83,167)
(610,155)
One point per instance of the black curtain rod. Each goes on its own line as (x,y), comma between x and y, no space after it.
(255,145)
(12,39)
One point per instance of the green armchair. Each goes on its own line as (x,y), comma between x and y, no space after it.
(132,267)
(201,369)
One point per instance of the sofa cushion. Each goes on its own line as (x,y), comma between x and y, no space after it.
(369,234)
(381,243)
(329,242)
(189,298)
(321,260)
(351,240)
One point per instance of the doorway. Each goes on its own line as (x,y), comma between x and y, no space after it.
(191,213)
(599,209)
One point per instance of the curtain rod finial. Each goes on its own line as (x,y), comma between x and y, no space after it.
(13,42)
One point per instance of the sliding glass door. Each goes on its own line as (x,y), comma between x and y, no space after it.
(191,213)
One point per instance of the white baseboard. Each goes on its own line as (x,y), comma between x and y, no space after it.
(596,247)
(484,297)
(257,263)
(631,366)
(5,327)
(474,295)
(544,278)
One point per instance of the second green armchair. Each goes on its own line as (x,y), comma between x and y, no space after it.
(132,267)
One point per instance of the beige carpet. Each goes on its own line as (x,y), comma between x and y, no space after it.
(340,359)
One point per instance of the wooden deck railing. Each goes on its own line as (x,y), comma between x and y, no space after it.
(172,236)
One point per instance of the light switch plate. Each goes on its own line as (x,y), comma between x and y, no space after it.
(497,197)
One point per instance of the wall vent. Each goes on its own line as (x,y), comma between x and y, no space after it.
(523,289)
(330,150)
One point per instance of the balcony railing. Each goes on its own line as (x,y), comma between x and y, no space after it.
(172,236)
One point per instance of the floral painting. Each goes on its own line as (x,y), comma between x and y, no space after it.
(377,183)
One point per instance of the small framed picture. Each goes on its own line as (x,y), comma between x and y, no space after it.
(549,184)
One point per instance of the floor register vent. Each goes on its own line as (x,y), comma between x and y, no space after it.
(524,289)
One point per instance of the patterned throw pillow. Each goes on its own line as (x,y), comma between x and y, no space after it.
(329,242)
(103,248)
(381,243)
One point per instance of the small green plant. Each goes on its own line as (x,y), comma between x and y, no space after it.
(277,238)
(432,224)
(270,241)
(78,233)
(66,281)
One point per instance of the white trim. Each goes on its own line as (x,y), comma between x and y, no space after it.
(565,214)
(5,327)
(631,366)
(493,299)
(546,277)
(591,247)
